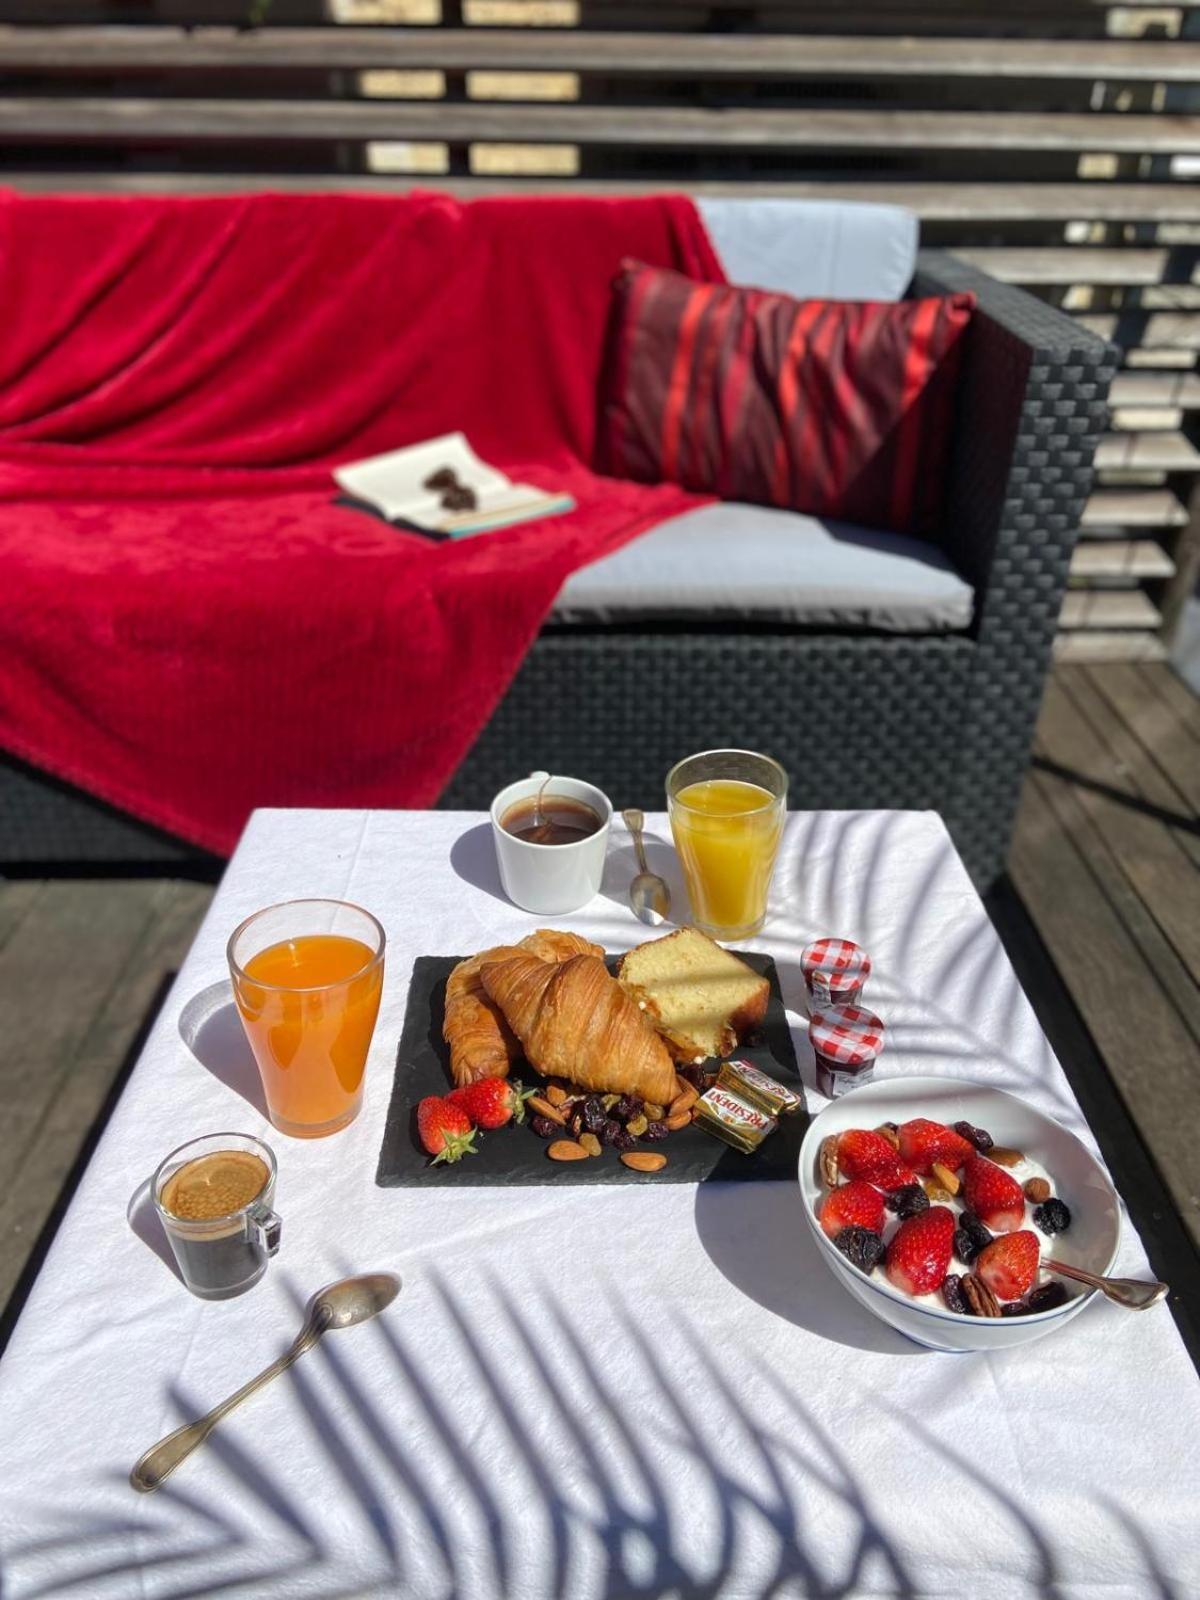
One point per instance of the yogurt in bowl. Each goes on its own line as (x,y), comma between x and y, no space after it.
(1048,1150)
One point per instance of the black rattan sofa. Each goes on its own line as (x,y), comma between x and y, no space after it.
(859,719)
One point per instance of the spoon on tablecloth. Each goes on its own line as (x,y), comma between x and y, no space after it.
(648,893)
(1135,1294)
(338,1305)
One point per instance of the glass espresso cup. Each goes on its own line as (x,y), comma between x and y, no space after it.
(307,976)
(727,811)
(214,1198)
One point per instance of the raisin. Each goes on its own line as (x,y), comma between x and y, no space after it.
(1046,1297)
(970,1237)
(622,1139)
(544,1128)
(593,1114)
(656,1130)
(626,1107)
(608,1130)
(952,1294)
(979,1137)
(908,1201)
(690,1073)
(862,1247)
(1052,1216)
(1014,1308)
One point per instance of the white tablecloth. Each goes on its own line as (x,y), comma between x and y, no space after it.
(581,1391)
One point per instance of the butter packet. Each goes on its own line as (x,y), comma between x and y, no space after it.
(733,1118)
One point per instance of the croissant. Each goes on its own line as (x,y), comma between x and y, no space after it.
(574,1021)
(554,944)
(481,1043)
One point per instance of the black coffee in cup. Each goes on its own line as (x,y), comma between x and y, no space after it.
(216,1211)
(550,819)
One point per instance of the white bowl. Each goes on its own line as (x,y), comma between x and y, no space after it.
(1075,1174)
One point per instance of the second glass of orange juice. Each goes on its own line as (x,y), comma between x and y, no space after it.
(307,977)
(727,810)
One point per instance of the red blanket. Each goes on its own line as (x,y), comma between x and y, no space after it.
(191,627)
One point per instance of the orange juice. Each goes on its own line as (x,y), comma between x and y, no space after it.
(727,833)
(309,1005)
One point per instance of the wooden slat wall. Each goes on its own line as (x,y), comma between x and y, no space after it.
(1055,143)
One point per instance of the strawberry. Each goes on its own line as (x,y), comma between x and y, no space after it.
(444,1129)
(920,1249)
(1009,1264)
(923,1142)
(491,1102)
(993,1195)
(854,1205)
(869,1156)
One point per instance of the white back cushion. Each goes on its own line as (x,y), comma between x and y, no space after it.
(814,249)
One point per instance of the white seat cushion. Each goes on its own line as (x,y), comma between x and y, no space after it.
(814,249)
(732,562)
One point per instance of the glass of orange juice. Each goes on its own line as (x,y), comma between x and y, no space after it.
(727,809)
(307,976)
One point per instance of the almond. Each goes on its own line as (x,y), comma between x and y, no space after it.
(679,1120)
(566,1150)
(684,1101)
(829,1161)
(1037,1190)
(544,1107)
(1003,1156)
(945,1177)
(555,1095)
(642,1160)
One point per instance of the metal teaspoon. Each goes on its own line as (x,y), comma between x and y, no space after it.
(338,1305)
(1135,1294)
(648,893)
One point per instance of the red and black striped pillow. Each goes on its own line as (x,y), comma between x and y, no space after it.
(837,408)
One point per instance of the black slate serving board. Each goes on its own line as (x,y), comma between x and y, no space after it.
(516,1155)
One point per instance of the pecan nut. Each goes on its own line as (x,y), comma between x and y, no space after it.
(828,1159)
(982,1301)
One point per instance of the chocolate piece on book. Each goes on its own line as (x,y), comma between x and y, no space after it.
(763,1091)
(733,1119)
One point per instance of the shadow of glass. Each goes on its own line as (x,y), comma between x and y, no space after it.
(143,1218)
(755,1236)
(212,1030)
(473,858)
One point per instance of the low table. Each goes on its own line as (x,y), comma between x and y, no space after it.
(580,1391)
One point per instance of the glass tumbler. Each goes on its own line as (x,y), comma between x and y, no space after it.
(307,976)
(214,1198)
(727,810)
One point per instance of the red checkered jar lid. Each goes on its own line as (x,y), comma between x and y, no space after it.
(846,1034)
(836,964)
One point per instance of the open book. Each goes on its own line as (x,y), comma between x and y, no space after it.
(432,485)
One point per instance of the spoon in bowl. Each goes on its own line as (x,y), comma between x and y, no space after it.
(339,1305)
(1135,1294)
(648,893)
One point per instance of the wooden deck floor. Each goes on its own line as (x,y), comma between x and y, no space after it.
(1104,928)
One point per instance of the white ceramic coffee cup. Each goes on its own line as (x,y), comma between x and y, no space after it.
(549,879)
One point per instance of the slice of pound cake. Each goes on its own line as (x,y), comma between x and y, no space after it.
(699,997)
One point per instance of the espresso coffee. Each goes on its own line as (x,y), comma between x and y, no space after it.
(218,1250)
(552,819)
